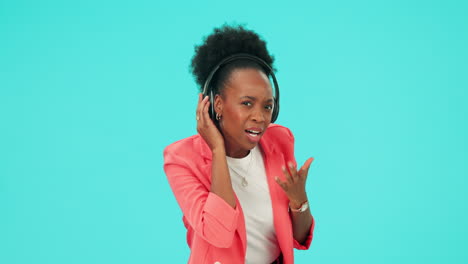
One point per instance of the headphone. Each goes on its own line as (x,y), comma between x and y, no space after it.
(208,90)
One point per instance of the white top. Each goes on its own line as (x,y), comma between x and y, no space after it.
(255,200)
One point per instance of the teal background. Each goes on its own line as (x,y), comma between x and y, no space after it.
(92,91)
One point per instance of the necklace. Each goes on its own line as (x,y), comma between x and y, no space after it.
(244,182)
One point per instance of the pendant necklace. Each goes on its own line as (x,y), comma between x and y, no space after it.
(244,182)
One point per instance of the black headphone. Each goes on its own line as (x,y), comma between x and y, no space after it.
(208,90)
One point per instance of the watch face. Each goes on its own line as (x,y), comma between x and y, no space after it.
(301,209)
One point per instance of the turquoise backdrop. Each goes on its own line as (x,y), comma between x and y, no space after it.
(92,91)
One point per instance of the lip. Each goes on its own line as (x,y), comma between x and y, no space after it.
(255,129)
(254,139)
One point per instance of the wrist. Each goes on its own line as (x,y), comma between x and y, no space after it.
(219,151)
(299,209)
(296,203)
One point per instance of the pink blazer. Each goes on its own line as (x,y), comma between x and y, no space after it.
(215,231)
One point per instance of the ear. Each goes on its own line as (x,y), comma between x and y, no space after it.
(218,104)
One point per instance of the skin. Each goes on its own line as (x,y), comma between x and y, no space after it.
(246,101)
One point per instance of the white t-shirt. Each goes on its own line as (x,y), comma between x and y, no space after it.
(255,200)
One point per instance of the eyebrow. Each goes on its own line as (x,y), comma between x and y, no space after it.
(254,99)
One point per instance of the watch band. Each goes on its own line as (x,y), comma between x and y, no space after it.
(303,208)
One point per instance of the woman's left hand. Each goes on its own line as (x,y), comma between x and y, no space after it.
(294,186)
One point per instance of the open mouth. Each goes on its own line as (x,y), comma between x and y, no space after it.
(253,133)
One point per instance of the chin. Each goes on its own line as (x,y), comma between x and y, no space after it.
(251,145)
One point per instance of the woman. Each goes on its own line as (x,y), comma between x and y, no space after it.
(236,181)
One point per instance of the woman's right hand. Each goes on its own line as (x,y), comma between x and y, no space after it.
(206,127)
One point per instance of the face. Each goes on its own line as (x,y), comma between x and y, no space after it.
(245,106)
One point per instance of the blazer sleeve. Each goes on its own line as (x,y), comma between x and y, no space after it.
(290,157)
(212,218)
(308,241)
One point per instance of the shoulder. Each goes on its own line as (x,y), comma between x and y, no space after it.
(278,137)
(182,144)
(190,147)
(279,133)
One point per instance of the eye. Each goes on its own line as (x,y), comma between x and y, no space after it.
(269,107)
(247,103)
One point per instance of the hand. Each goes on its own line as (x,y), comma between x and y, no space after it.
(294,186)
(205,126)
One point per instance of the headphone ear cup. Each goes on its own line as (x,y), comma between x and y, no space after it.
(212,109)
(274,114)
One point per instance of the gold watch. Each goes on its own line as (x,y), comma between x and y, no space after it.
(304,206)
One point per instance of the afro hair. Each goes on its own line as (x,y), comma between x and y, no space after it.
(223,42)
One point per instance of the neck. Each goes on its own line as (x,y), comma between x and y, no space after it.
(235,152)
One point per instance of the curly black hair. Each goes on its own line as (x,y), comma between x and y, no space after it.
(223,42)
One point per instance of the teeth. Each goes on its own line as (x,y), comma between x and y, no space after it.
(253,132)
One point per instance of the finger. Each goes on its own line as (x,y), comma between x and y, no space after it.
(282,184)
(287,175)
(201,121)
(305,168)
(204,112)
(206,116)
(293,171)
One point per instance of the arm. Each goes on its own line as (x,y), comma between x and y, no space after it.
(303,226)
(210,216)
(294,186)
(220,179)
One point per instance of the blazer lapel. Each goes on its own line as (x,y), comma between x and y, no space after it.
(273,160)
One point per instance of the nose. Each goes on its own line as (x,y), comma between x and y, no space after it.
(258,115)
